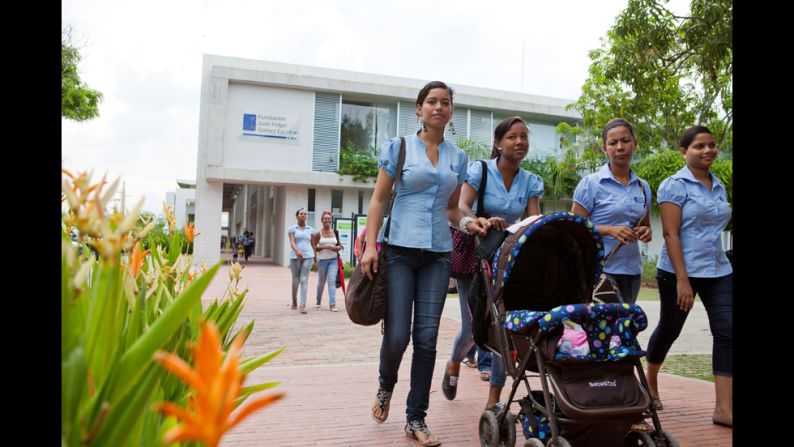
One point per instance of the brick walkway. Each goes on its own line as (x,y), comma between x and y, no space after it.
(329,371)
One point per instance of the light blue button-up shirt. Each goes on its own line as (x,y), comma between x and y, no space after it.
(499,202)
(704,214)
(303,239)
(419,213)
(611,203)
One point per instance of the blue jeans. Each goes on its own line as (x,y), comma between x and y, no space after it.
(717,296)
(300,274)
(628,285)
(417,283)
(464,341)
(328,269)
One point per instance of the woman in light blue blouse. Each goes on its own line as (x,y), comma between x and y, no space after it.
(418,255)
(695,210)
(510,194)
(615,200)
(301,257)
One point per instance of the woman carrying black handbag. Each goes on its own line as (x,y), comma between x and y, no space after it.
(417,251)
(510,192)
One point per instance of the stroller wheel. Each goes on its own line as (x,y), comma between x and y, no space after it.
(639,439)
(533,442)
(507,432)
(489,430)
(669,440)
(561,442)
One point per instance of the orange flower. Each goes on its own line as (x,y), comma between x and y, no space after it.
(190,232)
(136,259)
(216,387)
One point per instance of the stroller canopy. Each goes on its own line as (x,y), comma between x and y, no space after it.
(549,262)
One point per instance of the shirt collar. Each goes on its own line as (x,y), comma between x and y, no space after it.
(686,174)
(605,173)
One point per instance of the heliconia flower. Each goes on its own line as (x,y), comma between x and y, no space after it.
(136,259)
(190,232)
(215,388)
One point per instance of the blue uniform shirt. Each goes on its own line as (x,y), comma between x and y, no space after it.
(499,202)
(303,239)
(611,203)
(423,191)
(704,214)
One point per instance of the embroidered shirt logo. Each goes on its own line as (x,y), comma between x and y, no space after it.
(603,383)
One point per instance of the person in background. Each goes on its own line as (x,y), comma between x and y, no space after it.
(301,257)
(327,247)
(695,210)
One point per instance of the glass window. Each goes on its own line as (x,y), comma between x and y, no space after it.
(367,125)
(336,201)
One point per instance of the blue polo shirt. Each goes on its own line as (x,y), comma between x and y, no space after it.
(423,191)
(611,203)
(303,239)
(704,214)
(499,202)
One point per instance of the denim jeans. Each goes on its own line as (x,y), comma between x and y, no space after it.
(328,269)
(464,342)
(417,283)
(717,296)
(628,285)
(300,274)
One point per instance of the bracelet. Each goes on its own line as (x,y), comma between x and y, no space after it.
(463,222)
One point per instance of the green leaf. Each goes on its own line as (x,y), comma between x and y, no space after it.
(250,364)
(140,354)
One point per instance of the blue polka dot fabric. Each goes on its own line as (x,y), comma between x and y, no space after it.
(611,328)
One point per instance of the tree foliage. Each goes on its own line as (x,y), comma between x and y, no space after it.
(664,73)
(78,102)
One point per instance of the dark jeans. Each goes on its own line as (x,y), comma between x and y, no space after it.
(417,283)
(717,295)
(628,285)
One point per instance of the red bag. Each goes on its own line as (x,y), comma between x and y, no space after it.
(464,261)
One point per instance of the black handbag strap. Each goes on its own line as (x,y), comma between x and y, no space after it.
(647,209)
(400,163)
(481,192)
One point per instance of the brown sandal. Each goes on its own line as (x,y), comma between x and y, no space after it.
(657,404)
(417,429)
(381,405)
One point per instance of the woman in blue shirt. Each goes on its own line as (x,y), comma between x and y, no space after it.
(695,210)
(510,194)
(615,200)
(301,257)
(419,247)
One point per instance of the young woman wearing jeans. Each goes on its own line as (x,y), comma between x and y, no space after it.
(301,257)
(327,248)
(419,247)
(695,210)
(510,193)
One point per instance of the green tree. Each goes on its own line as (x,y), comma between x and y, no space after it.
(78,102)
(663,73)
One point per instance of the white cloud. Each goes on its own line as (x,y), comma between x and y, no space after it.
(145,57)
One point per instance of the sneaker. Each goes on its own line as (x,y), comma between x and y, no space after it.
(318,305)
(303,310)
(449,385)
(334,309)
(381,405)
(471,363)
(417,429)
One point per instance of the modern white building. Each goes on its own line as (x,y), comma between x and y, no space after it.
(270,136)
(183,202)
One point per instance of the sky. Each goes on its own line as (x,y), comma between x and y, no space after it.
(146,57)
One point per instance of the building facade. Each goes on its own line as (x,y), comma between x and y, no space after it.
(270,136)
(183,202)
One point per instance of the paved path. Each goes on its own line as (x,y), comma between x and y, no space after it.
(329,371)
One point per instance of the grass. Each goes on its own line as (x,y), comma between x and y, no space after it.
(695,366)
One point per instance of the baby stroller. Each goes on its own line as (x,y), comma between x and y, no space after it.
(541,318)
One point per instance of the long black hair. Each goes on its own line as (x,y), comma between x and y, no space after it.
(501,129)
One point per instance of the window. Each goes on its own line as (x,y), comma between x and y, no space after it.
(310,207)
(336,201)
(367,125)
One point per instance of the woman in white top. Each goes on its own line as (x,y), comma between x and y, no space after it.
(326,246)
